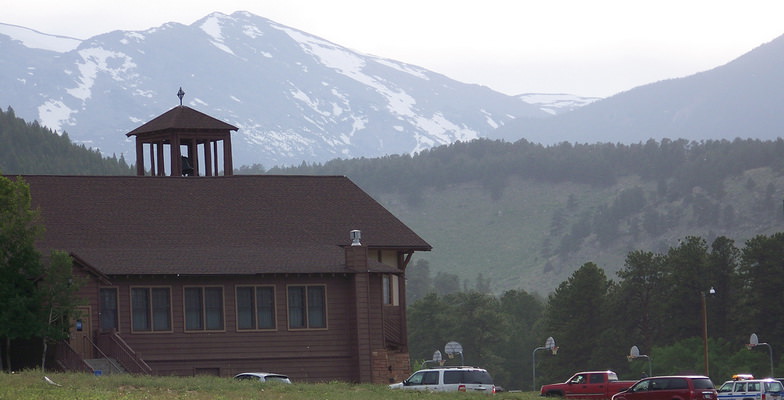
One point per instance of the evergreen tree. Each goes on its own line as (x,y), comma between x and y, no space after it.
(418,281)
(636,301)
(446,283)
(522,311)
(687,278)
(29,148)
(20,264)
(573,314)
(429,326)
(761,271)
(723,264)
(478,326)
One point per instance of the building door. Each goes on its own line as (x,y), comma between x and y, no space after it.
(80,333)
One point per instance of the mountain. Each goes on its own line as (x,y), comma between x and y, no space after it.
(557,103)
(294,96)
(742,98)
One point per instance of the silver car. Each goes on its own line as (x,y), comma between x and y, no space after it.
(262,377)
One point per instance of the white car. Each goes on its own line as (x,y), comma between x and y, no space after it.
(262,377)
(449,379)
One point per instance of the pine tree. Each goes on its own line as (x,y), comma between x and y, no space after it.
(20,264)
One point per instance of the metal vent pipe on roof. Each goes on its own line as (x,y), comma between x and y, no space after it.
(356,234)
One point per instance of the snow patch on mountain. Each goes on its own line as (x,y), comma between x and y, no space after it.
(53,113)
(37,40)
(417,72)
(212,26)
(97,60)
(556,103)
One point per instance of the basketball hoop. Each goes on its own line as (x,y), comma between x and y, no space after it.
(750,346)
(630,358)
(555,349)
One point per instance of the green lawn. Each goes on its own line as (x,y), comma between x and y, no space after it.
(30,385)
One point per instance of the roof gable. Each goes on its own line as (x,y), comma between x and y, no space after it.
(212,225)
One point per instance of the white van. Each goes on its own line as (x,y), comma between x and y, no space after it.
(449,379)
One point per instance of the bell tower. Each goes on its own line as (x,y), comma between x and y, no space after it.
(177,137)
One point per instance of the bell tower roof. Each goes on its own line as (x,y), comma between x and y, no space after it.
(182,118)
(183,130)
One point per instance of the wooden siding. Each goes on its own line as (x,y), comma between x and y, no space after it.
(393,330)
(364,340)
(89,293)
(305,355)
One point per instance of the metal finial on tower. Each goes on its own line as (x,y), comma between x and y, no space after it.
(180,93)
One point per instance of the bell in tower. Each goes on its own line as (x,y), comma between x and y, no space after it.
(183,133)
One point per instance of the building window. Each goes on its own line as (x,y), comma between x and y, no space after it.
(307,307)
(150,309)
(390,289)
(203,308)
(108,309)
(255,307)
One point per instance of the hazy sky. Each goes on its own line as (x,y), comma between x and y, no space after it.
(583,47)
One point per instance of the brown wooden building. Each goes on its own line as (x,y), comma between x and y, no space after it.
(208,274)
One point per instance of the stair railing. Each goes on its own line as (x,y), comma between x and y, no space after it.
(113,344)
(111,362)
(69,359)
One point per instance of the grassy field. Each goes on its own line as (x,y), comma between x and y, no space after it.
(30,385)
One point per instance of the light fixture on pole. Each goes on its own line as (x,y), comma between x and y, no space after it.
(549,344)
(634,352)
(712,291)
(754,342)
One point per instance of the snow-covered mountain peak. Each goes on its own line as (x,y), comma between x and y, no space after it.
(295,97)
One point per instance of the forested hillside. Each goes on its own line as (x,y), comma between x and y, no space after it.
(525,216)
(28,148)
(659,302)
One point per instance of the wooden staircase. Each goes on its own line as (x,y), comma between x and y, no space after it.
(105,366)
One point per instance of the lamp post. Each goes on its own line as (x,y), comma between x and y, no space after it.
(754,342)
(549,344)
(705,327)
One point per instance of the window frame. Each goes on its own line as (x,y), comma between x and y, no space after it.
(306,307)
(151,309)
(255,308)
(203,309)
(390,290)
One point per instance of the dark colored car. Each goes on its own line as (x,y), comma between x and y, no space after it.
(679,387)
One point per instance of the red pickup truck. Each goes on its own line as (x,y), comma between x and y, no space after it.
(587,385)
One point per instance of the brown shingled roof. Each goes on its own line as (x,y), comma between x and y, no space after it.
(182,118)
(212,225)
